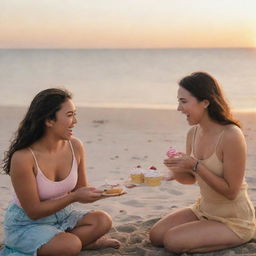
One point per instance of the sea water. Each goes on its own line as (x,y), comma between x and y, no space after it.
(125,78)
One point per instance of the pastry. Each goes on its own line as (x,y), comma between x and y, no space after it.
(152,177)
(137,175)
(171,152)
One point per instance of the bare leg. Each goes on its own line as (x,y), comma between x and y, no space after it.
(88,234)
(91,230)
(64,244)
(157,232)
(200,236)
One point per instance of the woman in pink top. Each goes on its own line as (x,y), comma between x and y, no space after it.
(47,168)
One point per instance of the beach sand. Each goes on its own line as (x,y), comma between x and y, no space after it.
(116,140)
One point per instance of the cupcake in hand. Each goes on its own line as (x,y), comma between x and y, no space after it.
(171,152)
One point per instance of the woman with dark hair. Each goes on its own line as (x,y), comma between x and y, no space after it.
(223,216)
(47,168)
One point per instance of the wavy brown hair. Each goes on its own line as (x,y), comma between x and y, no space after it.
(42,108)
(204,87)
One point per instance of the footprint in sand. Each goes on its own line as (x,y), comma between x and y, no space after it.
(100,121)
(172,191)
(128,228)
(129,218)
(134,203)
(114,158)
(136,158)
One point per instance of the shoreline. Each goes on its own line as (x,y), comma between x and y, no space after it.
(128,106)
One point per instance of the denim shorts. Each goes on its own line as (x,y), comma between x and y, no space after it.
(24,236)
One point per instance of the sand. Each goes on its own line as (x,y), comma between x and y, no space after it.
(116,140)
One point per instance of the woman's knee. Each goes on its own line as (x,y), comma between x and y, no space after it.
(103,219)
(155,236)
(65,244)
(71,244)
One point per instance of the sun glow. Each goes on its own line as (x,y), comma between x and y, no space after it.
(127,24)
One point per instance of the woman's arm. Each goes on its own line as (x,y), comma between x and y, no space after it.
(234,158)
(25,186)
(183,175)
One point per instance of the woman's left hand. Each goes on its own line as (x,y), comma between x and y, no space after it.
(181,163)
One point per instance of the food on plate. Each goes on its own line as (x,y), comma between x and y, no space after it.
(114,190)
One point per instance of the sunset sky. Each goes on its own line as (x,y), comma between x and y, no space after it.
(127,23)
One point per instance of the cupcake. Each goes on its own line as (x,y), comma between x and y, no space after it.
(152,177)
(137,175)
(171,152)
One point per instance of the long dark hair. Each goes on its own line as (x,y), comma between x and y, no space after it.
(43,107)
(204,87)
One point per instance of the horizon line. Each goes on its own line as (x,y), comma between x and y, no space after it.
(130,106)
(124,48)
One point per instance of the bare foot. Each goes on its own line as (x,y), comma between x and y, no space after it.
(103,242)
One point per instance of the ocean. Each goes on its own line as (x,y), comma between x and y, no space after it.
(144,78)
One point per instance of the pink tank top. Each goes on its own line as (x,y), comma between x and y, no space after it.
(48,189)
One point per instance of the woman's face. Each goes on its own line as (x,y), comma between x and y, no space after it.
(65,120)
(190,106)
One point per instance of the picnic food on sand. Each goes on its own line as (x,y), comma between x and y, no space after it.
(137,175)
(152,177)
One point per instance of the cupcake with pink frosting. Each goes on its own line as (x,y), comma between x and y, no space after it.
(171,152)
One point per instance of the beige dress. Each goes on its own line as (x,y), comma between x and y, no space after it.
(238,214)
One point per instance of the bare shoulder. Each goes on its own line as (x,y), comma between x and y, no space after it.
(22,155)
(22,159)
(77,145)
(232,132)
(233,137)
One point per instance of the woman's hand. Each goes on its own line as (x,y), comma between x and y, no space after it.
(87,194)
(180,163)
(181,166)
